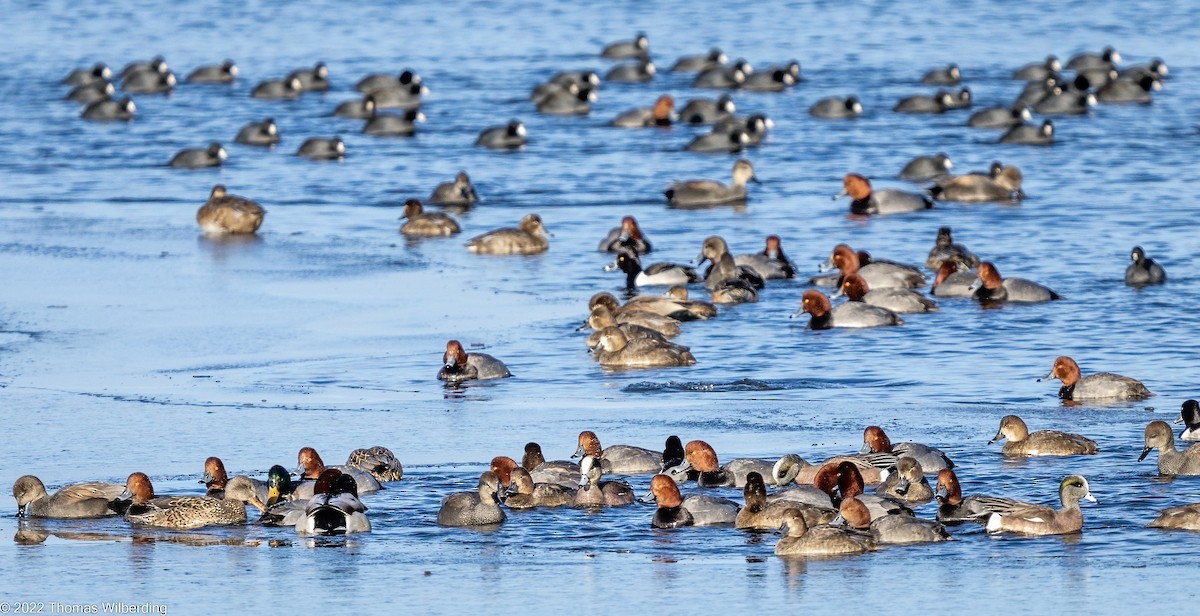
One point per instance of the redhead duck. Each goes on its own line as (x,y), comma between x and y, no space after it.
(1143,270)
(908,483)
(1041,443)
(1040,520)
(695,510)
(938,103)
(1189,415)
(762,514)
(1000,117)
(954,509)
(528,238)
(1003,187)
(836,108)
(900,301)
(628,236)
(263,134)
(924,168)
(849,314)
(106,110)
(380,81)
(310,466)
(1184,517)
(595,493)
(890,529)
(320,148)
(225,213)
(315,79)
(619,459)
(387,125)
(1025,134)
(865,201)
(507,137)
(216,74)
(379,461)
(79,500)
(571,100)
(215,479)
(458,192)
(655,275)
(188,512)
(953,279)
(658,115)
(92,92)
(146,82)
(419,223)
(710,192)
(723,77)
(878,274)
(792,467)
(198,158)
(601,317)
(1093,386)
(696,63)
(822,540)
(503,466)
(84,76)
(334,508)
(770,80)
(1088,59)
(948,75)
(278,89)
(615,350)
(707,111)
(1170,461)
(560,472)
(478,508)
(770,263)
(945,249)
(700,456)
(523,493)
(932,460)
(459,366)
(990,288)
(842,480)
(651,311)
(722,268)
(639,47)
(640,71)
(1036,71)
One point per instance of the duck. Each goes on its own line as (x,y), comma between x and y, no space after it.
(656,312)
(222,73)
(107,110)
(601,317)
(507,137)
(419,223)
(791,467)
(865,201)
(387,125)
(380,81)
(700,456)
(697,63)
(215,480)
(334,508)
(188,512)
(771,263)
(1041,443)
(642,117)
(523,493)
(849,314)
(595,493)
(571,100)
(1025,134)
(759,513)
(686,309)
(890,529)
(878,274)
(618,459)
(627,236)
(79,500)
(723,269)
(924,168)
(843,480)
(953,279)
(315,79)
(819,540)
(770,80)
(320,148)
(899,301)
(379,461)
(948,75)
(615,350)
(478,508)
(938,103)
(278,89)
(459,192)
(1143,271)
(710,192)
(932,459)
(718,141)
(310,466)
(954,509)
(1085,60)
(723,77)
(224,213)
(92,92)
(945,249)
(561,472)
(1003,187)
(707,111)
(658,274)
(1036,71)
(733,291)
(527,238)
(283,507)
(640,71)
(1184,517)
(908,483)
(990,288)
(1189,415)
(1040,520)
(198,158)
(148,82)
(459,366)
(399,97)
(836,108)
(638,47)
(87,75)
(1097,386)
(1170,461)
(264,133)
(674,511)
(1000,117)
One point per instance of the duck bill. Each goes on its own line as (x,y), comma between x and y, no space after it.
(796,315)
(941,493)
(1047,377)
(840,195)
(1091,499)
(1145,452)
(206,479)
(579,453)
(866,448)
(583,327)
(648,498)
(902,487)
(996,439)
(611,267)
(754,178)
(700,258)
(975,285)
(1178,420)
(257,504)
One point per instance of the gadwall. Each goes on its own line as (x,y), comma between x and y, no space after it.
(80,500)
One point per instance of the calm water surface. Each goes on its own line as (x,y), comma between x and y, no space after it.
(129,343)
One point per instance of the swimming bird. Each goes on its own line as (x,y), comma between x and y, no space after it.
(1157,435)
(657,274)
(1041,443)
(865,201)
(320,148)
(1039,520)
(1143,270)
(224,213)
(458,192)
(1098,386)
(459,366)
(216,74)
(527,238)
(989,288)
(709,192)
(79,500)
(507,137)
(944,248)
(419,223)
(478,508)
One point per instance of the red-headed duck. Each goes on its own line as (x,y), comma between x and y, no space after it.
(216,478)
(842,480)
(459,192)
(1170,461)
(953,279)
(595,493)
(226,213)
(1041,443)
(310,466)
(334,508)
(762,513)
(478,508)
(710,192)
(661,114)
(822,540)
(419,223)
(615,350)
(527,238)
(188,512)
(925,168)
(866,201)
(900,301)
(695,510)
(1184,517)
(890,529)
(700,456)
(80,500)
(601,317)
(1040,520)
(770,263)
(523,493)
(639,47)
(792,467)
(619,459)
(560,472)
(1143,270)
(696,63)
(908,483)
(945,249)
(849,314)
(459,366)
(1098,386)
(1189,416)
(628,236)
(990,288)
(379,461)
(878,274)
(932,460)
(656,274)
(722,268)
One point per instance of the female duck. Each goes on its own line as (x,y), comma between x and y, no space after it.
(709,192)
(836,108)
(1041,443)
(865,201)
(628,236)
(225,213)
(595,493)
(700,456)
(651,311)
(900,301)
(945,249)
(615,350)
(419,223)
(723,269)
(1189,415)
(1170,461)
(80,500)
(559,472)
(601,317)
(890,529)
(1184,517)
(458,192)
(685,308)
(696,510)
(658,115)
(878,274)
(990,288)
(1143,270)
(908,483)
(759,513)
(479,508)
(188,512)
(379,461)
(1004,186)
(619,459)
(1039,520)
(954,509)
(523,493)
(528,238)
(953,279)
(1099,386)
(932,460)
(656,274)
(849,314)
(770,263)
(459,366)
(805,540)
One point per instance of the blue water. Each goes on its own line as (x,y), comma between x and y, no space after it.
(128,342)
